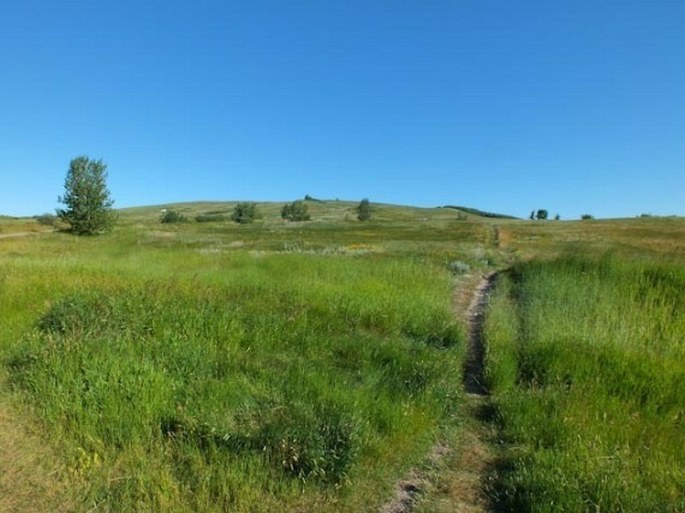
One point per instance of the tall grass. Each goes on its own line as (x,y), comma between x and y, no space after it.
(585,360)
(177,380)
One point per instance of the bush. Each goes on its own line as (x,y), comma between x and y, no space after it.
(210,218)
(308,197)
(171,216)
(46,219)
(295,211)
(244,213)
(364,210)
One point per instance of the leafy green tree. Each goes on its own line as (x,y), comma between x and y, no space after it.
(541,214)
(295,211)
(244,213)
(586,217)
(86,198)
(364,210)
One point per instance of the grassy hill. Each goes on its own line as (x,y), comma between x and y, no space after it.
(212,366)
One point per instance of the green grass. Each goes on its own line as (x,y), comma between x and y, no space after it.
(174,370)
(284,366)
(585,363)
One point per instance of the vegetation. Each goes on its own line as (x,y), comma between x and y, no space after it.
(244,213)
(593,347)
(291,367)
(173,370)
(364,210)
(86,197)
(586,217)
(210,218)
(46,219)
(169,216)
(295,211)
(480,213)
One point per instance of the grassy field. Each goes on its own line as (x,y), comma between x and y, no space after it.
(211,366)
(214,367)
(585,361)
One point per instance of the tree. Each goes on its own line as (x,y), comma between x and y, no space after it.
(541,214)
(244,213)
(86,197)
(364,210)
(295,211)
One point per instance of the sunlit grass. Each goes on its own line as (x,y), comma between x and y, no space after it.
(174,378)
(586,364)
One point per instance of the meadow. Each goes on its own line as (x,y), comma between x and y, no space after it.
(217,367)
(585,363)
(275,366)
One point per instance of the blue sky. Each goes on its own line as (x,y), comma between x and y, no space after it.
(508,106)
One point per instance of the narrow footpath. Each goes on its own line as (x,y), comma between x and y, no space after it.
(457,479)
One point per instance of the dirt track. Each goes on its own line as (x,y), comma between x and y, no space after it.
(474,366)
(455,479)
(20,234)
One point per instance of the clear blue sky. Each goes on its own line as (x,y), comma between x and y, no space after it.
(575,106)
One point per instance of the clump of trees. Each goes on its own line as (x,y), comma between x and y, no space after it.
(88,204)
(586,217)
(364,210)
(295,211)
(244,213)
(541,214)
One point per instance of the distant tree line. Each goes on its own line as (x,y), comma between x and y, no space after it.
(481,213)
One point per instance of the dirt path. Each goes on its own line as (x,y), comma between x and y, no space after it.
(474,366)
(16,234)
(20,234)
(457,479)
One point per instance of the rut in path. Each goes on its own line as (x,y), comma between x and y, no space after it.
(460,485)
(474,366)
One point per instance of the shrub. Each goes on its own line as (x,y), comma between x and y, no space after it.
(46,219)
(171,216)
(244,213)
(308,197)
(364,210)
(210,218)
(295,211)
